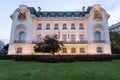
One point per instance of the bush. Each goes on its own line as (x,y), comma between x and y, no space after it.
(62,58)
(6,56)
(116,56)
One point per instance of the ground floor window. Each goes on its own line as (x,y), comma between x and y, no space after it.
(82,50)
(73,50)
(99,50)
(19,50)
(64,50)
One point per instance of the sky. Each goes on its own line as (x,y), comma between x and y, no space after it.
(7,7)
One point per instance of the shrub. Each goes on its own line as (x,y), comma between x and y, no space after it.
(6,56)
(116,56)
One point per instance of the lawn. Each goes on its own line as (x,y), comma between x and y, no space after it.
(12,70)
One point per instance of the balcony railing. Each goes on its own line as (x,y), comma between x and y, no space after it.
(19,41)
(77,42)
(99,41)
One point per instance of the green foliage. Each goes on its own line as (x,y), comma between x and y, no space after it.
(12,70)
(6,56)
(116,56)
(115,42)
(4,50)
(49,45)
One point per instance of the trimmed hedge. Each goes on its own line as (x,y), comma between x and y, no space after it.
(116,56)
(6,56)
(62,58)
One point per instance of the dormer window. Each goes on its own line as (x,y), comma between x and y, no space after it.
(39,27)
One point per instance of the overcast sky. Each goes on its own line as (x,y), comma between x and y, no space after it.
(8,6)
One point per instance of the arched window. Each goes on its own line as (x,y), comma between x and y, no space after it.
(56,26)
(72,38)
(39,27)
(97,35)
(99,50)
(64,38)
(47,26)
(22,36)
(39,38)
(73,50)
(19,50)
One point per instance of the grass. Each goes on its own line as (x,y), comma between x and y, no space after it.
(11,70)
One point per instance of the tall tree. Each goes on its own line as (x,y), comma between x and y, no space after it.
(50,44)
(115,42)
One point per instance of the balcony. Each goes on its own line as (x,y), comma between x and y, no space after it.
(19,41)
(77,42)
(99,41)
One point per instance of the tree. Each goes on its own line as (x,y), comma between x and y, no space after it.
(4,50)
(115,42)
(49,44)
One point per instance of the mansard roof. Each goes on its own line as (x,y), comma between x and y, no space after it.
(59,13)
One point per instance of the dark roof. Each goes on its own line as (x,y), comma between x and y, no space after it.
(59,13)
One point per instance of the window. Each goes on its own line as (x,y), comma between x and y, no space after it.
(81,38)
(64,38)
(48,27)
(39,27)
(81,26)
(64,50)
(73,50)
(56,26)
(72,38)
(82,50)
(97,36)
(39,38)
(64,26)
(22,36)
(99,50)
(19,50)
(72,26)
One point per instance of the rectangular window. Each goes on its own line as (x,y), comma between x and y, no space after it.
(72,26)
(64,50)
(39,27)
(81,26)
(82,50)
(56,26)
(48,27)
(73,50)
(64,26)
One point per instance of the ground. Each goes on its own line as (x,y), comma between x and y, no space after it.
(12,70)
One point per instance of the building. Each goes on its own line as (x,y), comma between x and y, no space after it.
(115,27)
(1,44)
(83,32)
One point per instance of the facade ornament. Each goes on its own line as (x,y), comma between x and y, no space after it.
(97,14)
(22,15)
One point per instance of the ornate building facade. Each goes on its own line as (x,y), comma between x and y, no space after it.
(83,32)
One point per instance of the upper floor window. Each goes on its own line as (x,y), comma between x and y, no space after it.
(64,38)
(97,35)
(64,26)
(56,26)
(22,36)
(72,38)
(99,50)
(81,26)
(72,26)
(47,26)
(39,27)
(73,50)
(39,38)
(81,37)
